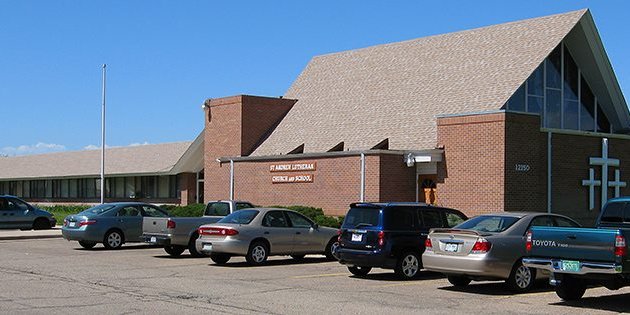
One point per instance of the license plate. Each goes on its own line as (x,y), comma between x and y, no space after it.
(450,247)
(570,265)
(72,224)
(207,247)
(357,237)
(153,239)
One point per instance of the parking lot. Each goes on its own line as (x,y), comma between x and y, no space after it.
(56,276)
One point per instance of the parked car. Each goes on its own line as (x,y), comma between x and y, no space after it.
(579,257)
(258,233)
(488,247)
(16,213)
(177,234)
(112,224)
(390,235)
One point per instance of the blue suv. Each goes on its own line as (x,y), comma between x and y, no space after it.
(15,213)
(390,235)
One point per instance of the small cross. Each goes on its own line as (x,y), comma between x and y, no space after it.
(591,183)
(617,183)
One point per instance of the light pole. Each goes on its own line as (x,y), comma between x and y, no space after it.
(103,139)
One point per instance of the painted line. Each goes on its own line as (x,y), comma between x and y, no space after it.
(522,295)
(400,284)
(321,275)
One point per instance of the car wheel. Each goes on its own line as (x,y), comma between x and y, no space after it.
(174,250)
(331,249)
(570,289)
(521,279)
(192,248)
(359,271)
(41,224)
(458,281)
(298,257)
(87,245)
(113,239)
(408,266)
(257,253)
(220,259)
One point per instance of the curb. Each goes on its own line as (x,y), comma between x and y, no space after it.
(53,233)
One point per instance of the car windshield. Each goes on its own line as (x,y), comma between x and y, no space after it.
(98,209)
(488,223)
(240,217)
(361,217)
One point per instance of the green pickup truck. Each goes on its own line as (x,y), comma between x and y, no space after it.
(578,257)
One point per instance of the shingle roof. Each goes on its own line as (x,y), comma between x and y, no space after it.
(144,159)
(396,90)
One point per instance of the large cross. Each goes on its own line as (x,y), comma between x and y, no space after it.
(605,162)
(617,183)
(591,183)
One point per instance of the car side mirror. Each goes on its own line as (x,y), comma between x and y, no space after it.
(315,226)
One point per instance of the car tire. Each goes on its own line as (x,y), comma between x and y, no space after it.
(521,279)
(174,250)
(192,247)
(359,271)
(113,239)
(220,259)
(570,289)
(408,265)
(41,224)
(257,253)
(298,257)
(458,281)
(331,249)
(87,245)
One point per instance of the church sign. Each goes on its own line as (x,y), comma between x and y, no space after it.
(293,167)
(302,178)
(605,162)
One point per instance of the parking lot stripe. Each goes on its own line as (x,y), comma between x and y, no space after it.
(321,275)
(400,284)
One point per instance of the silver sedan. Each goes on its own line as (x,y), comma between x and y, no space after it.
(487,247)
(257,233)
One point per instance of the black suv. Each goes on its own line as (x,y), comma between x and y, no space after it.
(390,235)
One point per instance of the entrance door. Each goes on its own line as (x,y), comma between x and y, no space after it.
(427,189)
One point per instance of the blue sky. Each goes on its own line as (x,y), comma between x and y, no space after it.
(166,57)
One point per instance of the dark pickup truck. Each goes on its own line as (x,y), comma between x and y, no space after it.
(578,257)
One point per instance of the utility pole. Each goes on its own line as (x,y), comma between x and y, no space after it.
(103,139)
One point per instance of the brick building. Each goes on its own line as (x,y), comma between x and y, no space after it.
(522,116)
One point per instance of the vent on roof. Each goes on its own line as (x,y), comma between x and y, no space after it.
(298,150)
(338,147)
(383,145)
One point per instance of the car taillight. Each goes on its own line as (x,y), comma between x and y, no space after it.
(381,238)
(87,222)
(620,246)
(217,231)
(339,235)
(427,244)
(528,241)
(481,246)
(170,224)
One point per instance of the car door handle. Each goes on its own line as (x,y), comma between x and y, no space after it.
(266,232)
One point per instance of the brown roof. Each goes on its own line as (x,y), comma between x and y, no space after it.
(395,91)
(143,159)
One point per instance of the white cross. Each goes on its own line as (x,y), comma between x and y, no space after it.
(617,183)
(591,183)
(604,161)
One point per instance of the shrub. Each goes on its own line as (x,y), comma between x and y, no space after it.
(192,210)
(316,214)
(62,211)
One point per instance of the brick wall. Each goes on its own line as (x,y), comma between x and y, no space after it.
(398,181)
(471,176)
(187,187)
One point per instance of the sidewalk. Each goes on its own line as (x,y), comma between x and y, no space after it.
(31,234)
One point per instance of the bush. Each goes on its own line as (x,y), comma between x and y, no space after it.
(317,215)
(192,210)
(61,211)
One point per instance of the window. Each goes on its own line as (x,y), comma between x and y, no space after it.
(128,211)
(243,205)
(240,217)
(564,222)
(217,209)
(453,219)
(275,219)
(587,104)
(489,223)
(543,220)
(431,218)
(361,217)
(154,212)
(399,218)
(613,212)
(298,221)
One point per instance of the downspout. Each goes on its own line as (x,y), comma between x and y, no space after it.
(197,187)
(362,192)
(549,171)
(231,179)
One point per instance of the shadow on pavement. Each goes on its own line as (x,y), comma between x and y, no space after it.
(495,288)
(391,276)
(276,262)
(613,303)
(124,247)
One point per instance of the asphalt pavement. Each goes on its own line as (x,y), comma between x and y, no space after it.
(54,276)
(29,234)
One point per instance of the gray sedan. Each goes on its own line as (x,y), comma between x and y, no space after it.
(15,213)
(260,232)
(487,247)
(112,224)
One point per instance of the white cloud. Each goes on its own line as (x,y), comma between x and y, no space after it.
(135,144)
(28,149)
(91,147)
(97,147)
